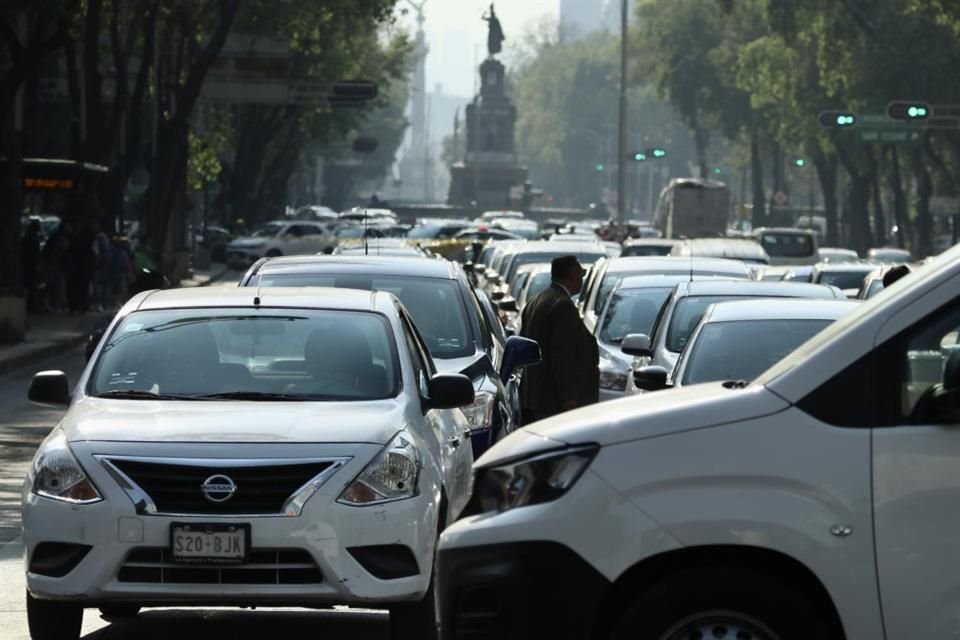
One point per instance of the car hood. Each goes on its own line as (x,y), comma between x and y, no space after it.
(657,414)
(98,419)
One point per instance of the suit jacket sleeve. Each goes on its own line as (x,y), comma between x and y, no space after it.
(562,340)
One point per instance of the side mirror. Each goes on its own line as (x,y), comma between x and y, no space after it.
(497,296)
(49,388)
(517,354)
(637,344)
(450,391)
(508,304)
(651,378)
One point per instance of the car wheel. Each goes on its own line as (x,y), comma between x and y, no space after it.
(722,604)
(419,620)
(273,253)
(53,620)
(116,611)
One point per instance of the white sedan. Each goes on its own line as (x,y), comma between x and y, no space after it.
(235,447)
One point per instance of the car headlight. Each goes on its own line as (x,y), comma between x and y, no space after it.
(56,474)
(534,480)
(391,476)
(613,375)
(479,413)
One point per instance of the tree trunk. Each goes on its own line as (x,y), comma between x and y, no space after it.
(759,216)
(858,214)
(924,245)
(879,217)
(900,214)
(826,167)
(774,217)
(701,138)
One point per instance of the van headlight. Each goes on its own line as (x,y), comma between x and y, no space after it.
(541,478)
(391,476)
(56,474)
(479,413)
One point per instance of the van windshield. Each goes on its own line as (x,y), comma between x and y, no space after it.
(787,245)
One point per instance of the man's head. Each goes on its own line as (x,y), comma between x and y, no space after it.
(566,270)
(894,273)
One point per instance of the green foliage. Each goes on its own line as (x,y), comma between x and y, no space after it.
(206,150)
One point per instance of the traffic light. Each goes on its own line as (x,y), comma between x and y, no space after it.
(599,167)
(659,153)
(800,162)
(909,110)
(836,119)
(646,154)
(639,156)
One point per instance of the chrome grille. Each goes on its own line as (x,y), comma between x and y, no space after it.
(150,565)
(262,487)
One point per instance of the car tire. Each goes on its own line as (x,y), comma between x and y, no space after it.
(418,620)
(53,620)
(119,611)
(722,603)
(274,253)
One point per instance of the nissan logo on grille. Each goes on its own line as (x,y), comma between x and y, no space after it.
(218,488)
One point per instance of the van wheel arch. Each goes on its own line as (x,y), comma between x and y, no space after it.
(755,559)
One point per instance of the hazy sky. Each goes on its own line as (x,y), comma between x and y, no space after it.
(457,36)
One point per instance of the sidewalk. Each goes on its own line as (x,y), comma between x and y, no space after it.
(51,333)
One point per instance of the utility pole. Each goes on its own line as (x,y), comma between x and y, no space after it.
(622,129)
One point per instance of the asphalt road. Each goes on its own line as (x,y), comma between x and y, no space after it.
(22,427)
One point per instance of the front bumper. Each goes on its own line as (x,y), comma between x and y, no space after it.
(517,590)
(307,560)
(242,257)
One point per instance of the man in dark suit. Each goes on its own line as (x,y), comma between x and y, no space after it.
(568,375)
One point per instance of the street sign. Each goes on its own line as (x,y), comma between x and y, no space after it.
(888,136)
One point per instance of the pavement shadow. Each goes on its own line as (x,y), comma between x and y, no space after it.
(198,624)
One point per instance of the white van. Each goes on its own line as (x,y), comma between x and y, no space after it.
(788,245)
(819,501)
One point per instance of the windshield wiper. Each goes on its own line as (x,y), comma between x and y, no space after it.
(253,395)
(132,394)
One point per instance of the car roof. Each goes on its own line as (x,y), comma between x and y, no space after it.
(657,242)
(757,288)
(661,280)
(551,246)
(845,267)
(291,297)
(653,263)
(793,230)
(779,309)
(420,266)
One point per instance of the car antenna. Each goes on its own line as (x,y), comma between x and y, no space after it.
(691,259)
(366,240)
(256,298)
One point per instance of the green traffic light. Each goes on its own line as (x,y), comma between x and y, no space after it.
(717,171)
(639,157)
(800,162)
(659,153)
(845,119)
(599,167)
(917,112)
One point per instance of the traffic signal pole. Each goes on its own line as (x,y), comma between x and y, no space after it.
(622,128)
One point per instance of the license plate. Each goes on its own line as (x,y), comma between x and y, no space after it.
(209,543)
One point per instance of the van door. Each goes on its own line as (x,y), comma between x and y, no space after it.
(916,481)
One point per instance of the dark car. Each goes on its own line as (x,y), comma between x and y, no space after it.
(454,324)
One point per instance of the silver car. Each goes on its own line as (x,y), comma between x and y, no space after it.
(683,310)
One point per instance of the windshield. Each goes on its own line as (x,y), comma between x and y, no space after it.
(687,314)
(646,250)
(632,311)
(787,245)
(842,279)
(269,230)
(435,304)
(876,287)
(519,259)
(290,354)
(424,232)
(743,350)
(538,282)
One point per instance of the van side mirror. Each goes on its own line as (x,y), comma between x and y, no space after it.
(651,378)
(508,303)
(450,391)
(518,353)
(49,388)
(638,345)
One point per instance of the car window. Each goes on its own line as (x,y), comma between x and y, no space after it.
(646,250)
(787,245)
(489,319)
(842,279)
(876,286)
(536,284)
(422,364)
(686,315)
(518,283)
(434,303)
(632,311)
(930,358)
(307,354)
(745,349)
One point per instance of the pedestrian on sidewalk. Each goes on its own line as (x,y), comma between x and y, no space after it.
(53,259)
(30,262)
(568,376)
(80,262)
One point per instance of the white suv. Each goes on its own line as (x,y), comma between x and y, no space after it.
(288,447)
(819,501)
(281,238)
